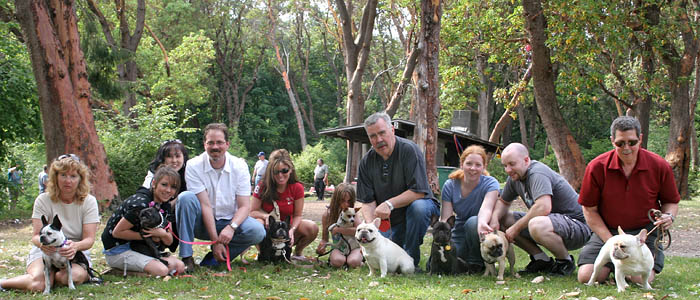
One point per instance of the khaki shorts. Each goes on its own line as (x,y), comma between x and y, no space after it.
(574,233)
(36,253)
(134,261)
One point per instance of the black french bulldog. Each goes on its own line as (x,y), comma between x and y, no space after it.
(149,218)
(275,247)
(443,254)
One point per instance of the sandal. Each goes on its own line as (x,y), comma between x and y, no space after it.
(300,258)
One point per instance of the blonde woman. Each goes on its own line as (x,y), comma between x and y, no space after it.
(68,198)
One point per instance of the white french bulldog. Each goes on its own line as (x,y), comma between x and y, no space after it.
(629,254)
(381,253)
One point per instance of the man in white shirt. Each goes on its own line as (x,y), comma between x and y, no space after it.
(216,205)
(260,167)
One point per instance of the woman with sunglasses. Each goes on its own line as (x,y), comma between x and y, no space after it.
(171,153)
(280,186)
(68,198)
(122,240)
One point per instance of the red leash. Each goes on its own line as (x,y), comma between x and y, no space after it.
(228,255)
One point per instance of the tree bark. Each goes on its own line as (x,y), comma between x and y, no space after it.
(485,97)
(356,51)
(303,50)
(680,66)
(51,31)
(401,88)
(567,151)
(428,77)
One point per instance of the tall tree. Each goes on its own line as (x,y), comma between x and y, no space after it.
(51,33)
(128,71)
(356,42)
(427,77)
(283,68)
(567,151)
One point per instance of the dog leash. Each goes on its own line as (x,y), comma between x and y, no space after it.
(228,254)
(660,242)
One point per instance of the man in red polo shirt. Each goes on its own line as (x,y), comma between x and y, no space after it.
(619,188)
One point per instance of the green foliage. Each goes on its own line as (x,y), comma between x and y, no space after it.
(189,63)
(131,143)
(31,158)
(496,170)
(305,162)
(20,119)
(237,147)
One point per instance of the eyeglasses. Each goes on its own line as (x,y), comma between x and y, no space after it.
(70,155)
(385,169)
(283,171)
(218,143)
(177,141)
(631,143)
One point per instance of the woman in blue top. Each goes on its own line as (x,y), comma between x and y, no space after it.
(470,194)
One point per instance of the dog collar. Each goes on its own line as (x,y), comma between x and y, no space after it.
(62,244)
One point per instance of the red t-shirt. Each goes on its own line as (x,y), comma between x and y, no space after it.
(625,201)
(285,200)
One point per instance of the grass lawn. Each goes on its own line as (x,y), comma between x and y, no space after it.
(680,279)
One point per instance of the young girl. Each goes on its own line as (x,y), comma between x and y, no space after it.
(343,197)
(122,230)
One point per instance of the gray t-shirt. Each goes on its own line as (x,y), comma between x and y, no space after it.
(379,180)
(320,171)
(541,180)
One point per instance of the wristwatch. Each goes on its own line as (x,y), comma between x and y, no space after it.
(233,225)
(390,205)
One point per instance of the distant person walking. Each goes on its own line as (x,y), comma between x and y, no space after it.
(259,168)
(320,179)
(43,179)
(14,176)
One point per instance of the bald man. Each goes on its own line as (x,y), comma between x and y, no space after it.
(554,219)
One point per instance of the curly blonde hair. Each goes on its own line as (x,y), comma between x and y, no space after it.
(66,165)
(473,149)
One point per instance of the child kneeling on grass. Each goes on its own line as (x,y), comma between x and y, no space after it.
(343,198)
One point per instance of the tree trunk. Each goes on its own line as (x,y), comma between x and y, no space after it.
(485,95)
(401,88)
(356,51)
(680,66)
(428,77)
(569,157)
(505,118)
(283,70)
(522,124)
(51,31)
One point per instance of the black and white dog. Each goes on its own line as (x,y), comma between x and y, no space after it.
(443,254)
(51,235)
(276,246)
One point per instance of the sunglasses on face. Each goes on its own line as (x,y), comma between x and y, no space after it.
(177,141)
(70,155)
(283,171)
(631,143)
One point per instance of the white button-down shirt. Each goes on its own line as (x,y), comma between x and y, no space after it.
(234,181)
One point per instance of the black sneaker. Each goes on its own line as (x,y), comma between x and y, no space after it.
(475,269)
(189,264)
(537,266)
(563,267)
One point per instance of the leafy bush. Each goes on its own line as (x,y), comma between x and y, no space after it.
(31,158)
(131,144)
(496,170)
(305,162)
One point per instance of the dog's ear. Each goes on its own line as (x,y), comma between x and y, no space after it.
(271,220)
(56,223)
(451,221)
(434,219)
(357,209)
(642,237)
(376,222)
(619,230)
(43,220)
(482,237)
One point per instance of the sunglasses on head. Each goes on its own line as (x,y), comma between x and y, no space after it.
(631,143)
(283,171)
(177,141)
(70,155)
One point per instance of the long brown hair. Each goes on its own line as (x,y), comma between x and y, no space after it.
(269,186)
(340,192)
(64,165)
(473,149)
(165,171)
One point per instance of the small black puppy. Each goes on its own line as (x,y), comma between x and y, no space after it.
(149,218)
(443,254)
(276,247)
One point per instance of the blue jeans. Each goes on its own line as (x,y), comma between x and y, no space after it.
(466,240)
(257,179)
(189,224)
(417,221)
